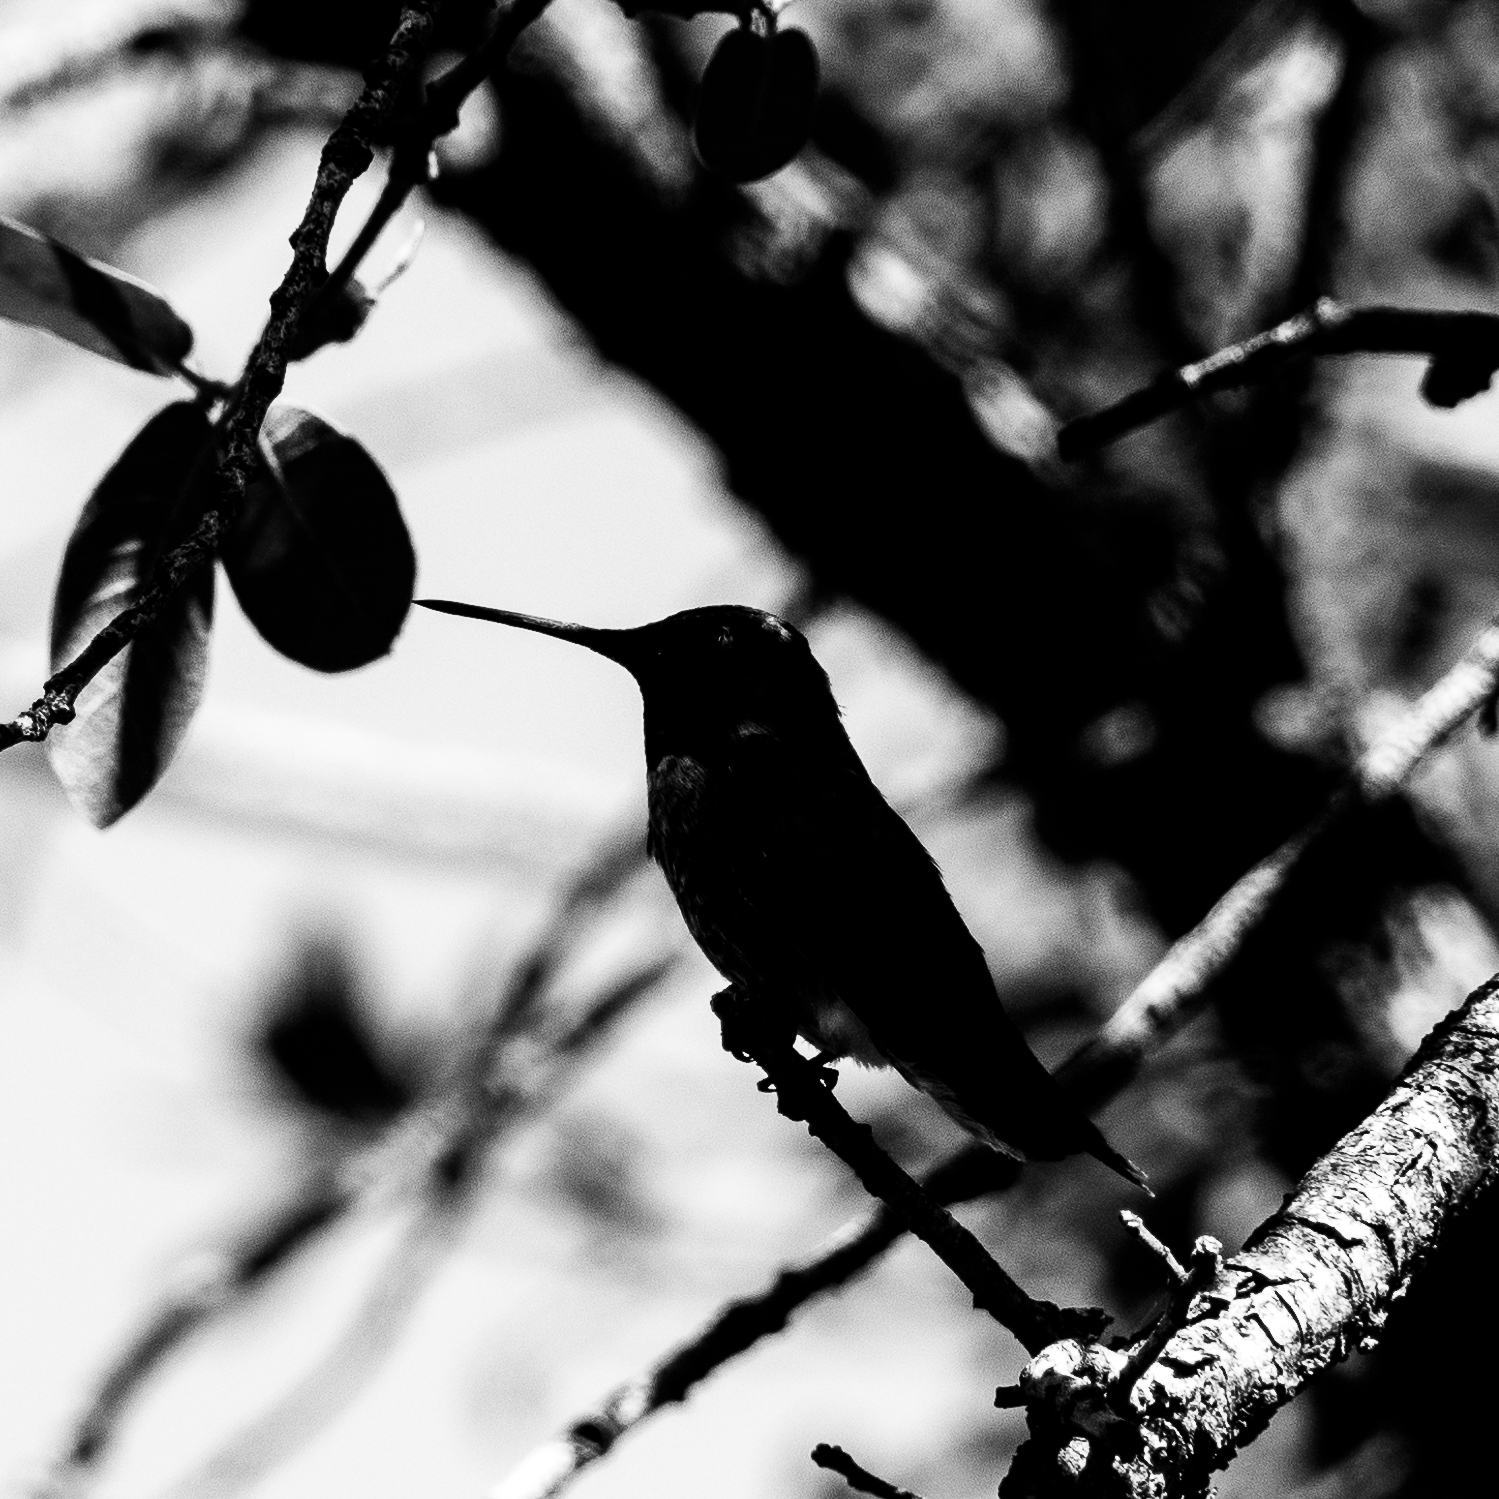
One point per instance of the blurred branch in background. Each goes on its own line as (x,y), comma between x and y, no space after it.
(1174,992)
(430,1154)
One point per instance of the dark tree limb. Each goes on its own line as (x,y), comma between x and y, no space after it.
(1463,349)
(803,1094)
(1314,1283)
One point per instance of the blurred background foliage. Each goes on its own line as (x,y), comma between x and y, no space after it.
(453,1147)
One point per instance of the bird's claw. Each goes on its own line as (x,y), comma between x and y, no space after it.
(826,1075)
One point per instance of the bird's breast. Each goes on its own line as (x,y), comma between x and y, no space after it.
(719,838)
(689,839)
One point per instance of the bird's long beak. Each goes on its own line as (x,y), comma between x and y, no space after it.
(617,645)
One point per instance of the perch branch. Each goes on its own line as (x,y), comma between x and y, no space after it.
(1462,347)
(1165,1000)
(803,1094)
(836,1460)
(1314,1282)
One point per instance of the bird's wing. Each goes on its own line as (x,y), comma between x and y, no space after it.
(833,884)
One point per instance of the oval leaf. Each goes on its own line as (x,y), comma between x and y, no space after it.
(49,286)
(132,716)
(320,559)
(756,103)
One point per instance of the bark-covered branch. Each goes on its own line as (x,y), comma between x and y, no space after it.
(1174,992)
(1463,349)
(1314,1283)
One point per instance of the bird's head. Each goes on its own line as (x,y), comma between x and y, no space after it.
(702,673)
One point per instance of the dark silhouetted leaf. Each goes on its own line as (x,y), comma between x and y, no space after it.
(756,104)
(132,716)
(320,1045)
(320,559)
(46,284)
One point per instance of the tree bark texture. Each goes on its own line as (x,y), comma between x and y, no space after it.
(1314,1283)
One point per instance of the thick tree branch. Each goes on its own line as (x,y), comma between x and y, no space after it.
(1172,994)
(1313,1283)
(1463,349)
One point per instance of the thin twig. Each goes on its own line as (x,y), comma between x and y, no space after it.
(836,1460)
(1207,1255)
(1169,996)
(1463,348)
(410,163)
(1136,1225)
(374,120)
(803,1094)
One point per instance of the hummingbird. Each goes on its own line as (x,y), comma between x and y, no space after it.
(801,883)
